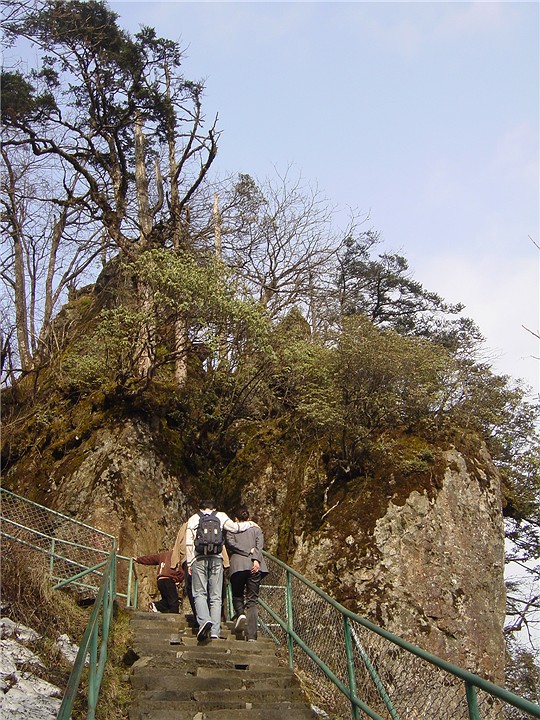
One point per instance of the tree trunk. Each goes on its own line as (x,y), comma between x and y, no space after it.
(141,182)
(147,335)
(223,348)
(217,229)
(180,341)
(180,325)
(21,309)
(19,280)
(147,341)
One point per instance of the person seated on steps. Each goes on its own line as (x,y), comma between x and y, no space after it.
(248,568)
(169,579)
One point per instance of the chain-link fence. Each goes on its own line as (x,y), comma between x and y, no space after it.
(390,678)
(69,547)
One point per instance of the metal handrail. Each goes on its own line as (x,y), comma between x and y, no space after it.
(470,680)
(89,645)
(132,585)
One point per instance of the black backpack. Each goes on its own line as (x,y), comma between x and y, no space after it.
(208,536)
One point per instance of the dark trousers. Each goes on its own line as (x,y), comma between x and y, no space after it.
(245,595)
(189,589)
(169,596)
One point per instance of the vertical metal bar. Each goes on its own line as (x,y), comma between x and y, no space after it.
(472,701)
(130,578)
(107,608)
(112,581)
(51,559)
(350,664)
(105,624)
(289,611)
(229,610)
(92,684)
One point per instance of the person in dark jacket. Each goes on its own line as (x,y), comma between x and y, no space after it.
(248,568)
(168,580)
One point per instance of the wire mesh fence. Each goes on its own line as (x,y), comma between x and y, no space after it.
(389,680)
(71,547)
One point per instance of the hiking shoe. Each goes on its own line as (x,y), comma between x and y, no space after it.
(240,622)
(152,607)
(204,630)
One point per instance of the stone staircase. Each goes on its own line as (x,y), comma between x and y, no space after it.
(174,677)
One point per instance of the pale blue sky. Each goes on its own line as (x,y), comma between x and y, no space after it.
(423,115)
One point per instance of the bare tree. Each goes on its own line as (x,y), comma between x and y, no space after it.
(278,236)
(50,244)
(102,111)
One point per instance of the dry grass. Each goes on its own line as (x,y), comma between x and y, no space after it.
(27,598)
(115,694)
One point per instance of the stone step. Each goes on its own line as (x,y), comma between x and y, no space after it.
(163,638)
(279,673)
(176,677)
(257,696)
(217,651)
(146,646)
(150,677)
(226,658)
(197,664)
(283,711)
(142,618)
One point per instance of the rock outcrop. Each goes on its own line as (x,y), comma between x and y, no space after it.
(431,569)
(419,551)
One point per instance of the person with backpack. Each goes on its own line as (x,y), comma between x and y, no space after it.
(248,568)
(204,545)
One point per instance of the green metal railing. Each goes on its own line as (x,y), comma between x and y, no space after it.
(76,552)
(90,568)
(356,669)
(92,645)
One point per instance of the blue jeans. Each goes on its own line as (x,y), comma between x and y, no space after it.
(207,585)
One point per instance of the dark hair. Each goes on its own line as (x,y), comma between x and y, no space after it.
(207,503)
(242,513)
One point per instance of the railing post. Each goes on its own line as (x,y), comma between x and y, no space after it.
(289,611)
(229,609)
(92,670)
(51,559)
(113,583)
(350,664)
(472,701)
(130,577)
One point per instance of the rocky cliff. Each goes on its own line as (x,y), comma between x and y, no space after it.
(416,547)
